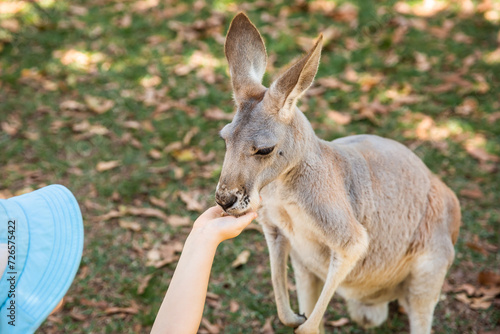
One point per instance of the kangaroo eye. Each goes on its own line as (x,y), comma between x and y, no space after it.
(264,151)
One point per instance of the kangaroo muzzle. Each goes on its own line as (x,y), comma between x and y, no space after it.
(233,201)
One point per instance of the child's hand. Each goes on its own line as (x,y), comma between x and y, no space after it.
(213,225)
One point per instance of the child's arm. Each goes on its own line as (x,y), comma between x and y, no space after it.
(182,308)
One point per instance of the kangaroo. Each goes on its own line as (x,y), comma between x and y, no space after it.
(361,215)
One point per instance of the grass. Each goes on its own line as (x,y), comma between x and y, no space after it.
(163,67)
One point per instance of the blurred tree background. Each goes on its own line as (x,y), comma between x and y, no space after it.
(121,101)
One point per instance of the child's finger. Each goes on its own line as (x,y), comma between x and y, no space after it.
(246,218)
(213,212)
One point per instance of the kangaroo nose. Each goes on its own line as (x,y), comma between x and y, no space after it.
(226,202)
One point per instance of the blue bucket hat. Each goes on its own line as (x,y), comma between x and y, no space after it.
(43,231)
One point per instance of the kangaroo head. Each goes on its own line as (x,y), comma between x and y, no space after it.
(268,135)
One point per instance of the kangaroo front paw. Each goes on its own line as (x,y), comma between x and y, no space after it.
(293,320)
(307,329)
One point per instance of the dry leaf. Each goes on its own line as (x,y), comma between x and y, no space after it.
(81,127)
(10,129)
(156,39)
(174,146)
(304,42)
(93,129)
(338,323)
(368,81)
(102,305)
(423,128)
(211,328)
(369,109)
(107,165)
(189,135)
(144,5)
(472,193)
(181,105)
(134,211)
(192,203)
(482,303)
(143,284)
(57,319)
(476,247)
(110,215)
(212,295)
(133,309)
(334,83)
(468,288)
(12,7)
(442,88)
(201,156)
(480,153)
(153,256)
(490,291)
(155,154)
(131,125)
(321,6)
(492,118)
(468,106)
(347,12)
(422,63)
(268,327)
(481,299)
(241,259)
(162,255)
(146,212)
(158,202)
(460,37)
(214,300)
(233,306)
(462,297)
(78,10)
(399,34)
(488,278)
(83,272)
(138,248)
(339,118)
(12,125)
(176,220)
(97,104)
(217,114)
(350,74)
(133,226)
(77,316)
(147,125)
(429,8)
(71,105)
(150,81)
(184,155)
(11,25)
(125,21)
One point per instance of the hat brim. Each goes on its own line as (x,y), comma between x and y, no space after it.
(55,248)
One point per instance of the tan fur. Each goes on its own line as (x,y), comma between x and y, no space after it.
(442,205)
(361,216)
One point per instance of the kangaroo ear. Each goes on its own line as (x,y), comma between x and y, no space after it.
(293,83)
(246,54)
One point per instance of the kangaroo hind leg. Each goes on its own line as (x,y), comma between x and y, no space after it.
(423,291)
